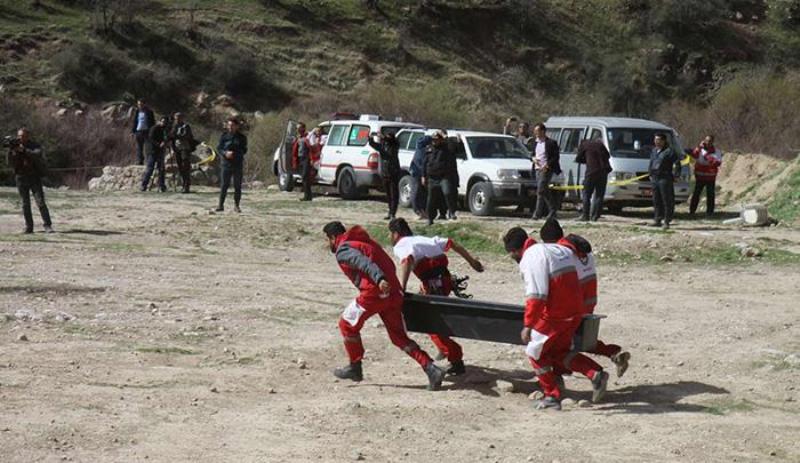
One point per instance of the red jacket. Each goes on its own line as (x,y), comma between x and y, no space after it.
(551,286)
(365,263)
(707,162)
(585,267)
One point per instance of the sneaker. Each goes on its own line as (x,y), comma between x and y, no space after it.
(236,209)
(548,403)
(456,368)
(48,229)
(27,231)
(352,372)
(665,227)
(599,383)
(219,209)
(389,217)
(163,189)
(657,223)
(435,377)
(621,361)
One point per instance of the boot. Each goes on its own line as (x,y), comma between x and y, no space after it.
(547,403)
(621,361)
(352,372)
(435,377)
(456,368)
(599,383)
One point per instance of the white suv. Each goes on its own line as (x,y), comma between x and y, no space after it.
(493,169)
(346,161)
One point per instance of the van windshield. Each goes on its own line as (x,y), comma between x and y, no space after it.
(497,148)
(635,143)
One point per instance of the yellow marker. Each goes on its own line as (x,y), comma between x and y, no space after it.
(685,162)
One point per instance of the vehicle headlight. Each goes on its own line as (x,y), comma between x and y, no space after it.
(622,176)
(508,174)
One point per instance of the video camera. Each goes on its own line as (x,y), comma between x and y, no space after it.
(10,141)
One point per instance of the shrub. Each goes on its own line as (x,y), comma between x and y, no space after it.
(90,72)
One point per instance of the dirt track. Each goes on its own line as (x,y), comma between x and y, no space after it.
(158,332)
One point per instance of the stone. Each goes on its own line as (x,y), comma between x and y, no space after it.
(583,403)
(667,259)
(751,251)
(504,386)
(22,338)
(536,395)
(214,390)
(566,403)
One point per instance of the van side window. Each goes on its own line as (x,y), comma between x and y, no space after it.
(336,136)
(402,140)
(412,144)
(597,134)
(555,134)
(570,139)
(359,134)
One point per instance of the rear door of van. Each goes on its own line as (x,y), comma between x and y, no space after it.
(571,138)
(333,151)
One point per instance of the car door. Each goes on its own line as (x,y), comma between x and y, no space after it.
(571,138)
(285,155)
(332,152)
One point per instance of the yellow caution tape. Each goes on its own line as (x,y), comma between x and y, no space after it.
(210,158)
(685,162)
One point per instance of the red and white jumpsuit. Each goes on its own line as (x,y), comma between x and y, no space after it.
(430,266)
(587,279)
(366,264)
(553,302)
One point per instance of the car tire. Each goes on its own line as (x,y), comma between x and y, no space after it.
(405,191)
(285,182)
(346,184)
(481,199)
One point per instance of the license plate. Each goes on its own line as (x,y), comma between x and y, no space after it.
(648,192)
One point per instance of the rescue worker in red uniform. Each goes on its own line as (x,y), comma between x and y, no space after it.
(552,232)
(372,271)
(427,258)
(553,303)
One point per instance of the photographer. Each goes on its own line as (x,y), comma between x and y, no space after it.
(25,158)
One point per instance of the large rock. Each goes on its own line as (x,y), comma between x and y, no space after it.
(118,178)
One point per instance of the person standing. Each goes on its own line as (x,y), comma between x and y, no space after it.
(546,163)
(233,147)
(143,120)
(594,154)
(388,148)
(183,145)
(553,303)
(665,167)
(26,159)
(302,152)
(708,159)
(427,259)
(523,133)
(156,145)
(417,172)
(441,170)
(372,272)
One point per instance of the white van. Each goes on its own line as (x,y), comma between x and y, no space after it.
(630,142)
(493,169)
(346,161)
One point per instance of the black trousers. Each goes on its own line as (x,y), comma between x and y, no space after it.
(305,171)
(184,161)
(27,184)
(230,172)
(141,141)
(546,202)
(663,199)
(699,186)
(391,184)
(440,186)
(155,160)
(594,189)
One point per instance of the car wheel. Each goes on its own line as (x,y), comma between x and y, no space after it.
(285,182)
(481,199)
(346,184)
(405,190)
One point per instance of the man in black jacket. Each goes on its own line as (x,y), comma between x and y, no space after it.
(26,160)
(143,120)
(546,164)
(183,145)
(665,167)
(156,145)
(232,147)
(388,148)
(594,154)
(441,173)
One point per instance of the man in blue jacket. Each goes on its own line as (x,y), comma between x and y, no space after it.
(665,167)
(143,120)
(231,148)
(417,171)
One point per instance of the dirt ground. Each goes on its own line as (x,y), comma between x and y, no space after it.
(147,329)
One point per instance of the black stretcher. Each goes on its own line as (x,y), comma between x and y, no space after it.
(480,320)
